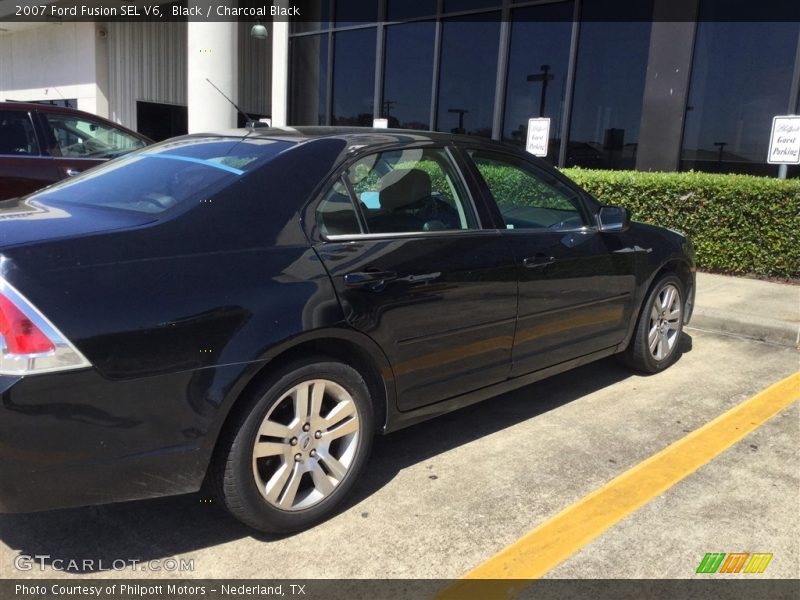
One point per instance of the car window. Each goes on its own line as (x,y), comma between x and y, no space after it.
(16,134)
(78,137)
(410,190)
(336,214)
(528,198)
(167,174)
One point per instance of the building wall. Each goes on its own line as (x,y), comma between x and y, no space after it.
(147,61)
(53,62)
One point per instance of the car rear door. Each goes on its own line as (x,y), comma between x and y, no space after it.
(23,169)
(402,240)
(575,288)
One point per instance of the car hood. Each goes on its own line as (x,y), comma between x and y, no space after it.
(24,221)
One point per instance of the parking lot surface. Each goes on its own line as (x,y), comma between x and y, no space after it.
(443,497)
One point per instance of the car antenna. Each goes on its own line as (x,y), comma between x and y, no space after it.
(250,121)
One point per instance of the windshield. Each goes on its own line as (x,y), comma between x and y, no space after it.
(167,174)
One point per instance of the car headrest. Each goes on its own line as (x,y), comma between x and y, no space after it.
(404,187)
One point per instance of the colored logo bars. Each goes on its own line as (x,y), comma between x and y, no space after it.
(738,562)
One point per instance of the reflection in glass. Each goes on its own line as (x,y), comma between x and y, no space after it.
(316,15)
(354,77)
(407,75)
(355,12)
(459,5)
(309,81)
(408,9)
(741,78)
(468,75)
(537,71)
(609,90)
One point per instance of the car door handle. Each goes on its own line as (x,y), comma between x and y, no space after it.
(371,279)
(72,172)
(539,260)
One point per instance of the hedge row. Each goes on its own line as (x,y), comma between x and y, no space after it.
(738,223)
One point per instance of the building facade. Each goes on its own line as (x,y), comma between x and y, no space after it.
(627,84)
(669,86)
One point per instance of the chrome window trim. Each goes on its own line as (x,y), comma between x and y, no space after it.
(449,233)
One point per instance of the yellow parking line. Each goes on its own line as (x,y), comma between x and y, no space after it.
(560,537)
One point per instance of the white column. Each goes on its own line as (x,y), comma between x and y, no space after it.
(280,73)
(213,55)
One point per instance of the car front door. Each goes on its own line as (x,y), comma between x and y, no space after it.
(22,167)
(402,241)
(575,291)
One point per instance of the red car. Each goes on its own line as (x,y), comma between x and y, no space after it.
(41,144)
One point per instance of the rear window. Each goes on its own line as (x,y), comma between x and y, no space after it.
(167,174)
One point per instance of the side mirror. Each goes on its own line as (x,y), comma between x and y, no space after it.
(613,218)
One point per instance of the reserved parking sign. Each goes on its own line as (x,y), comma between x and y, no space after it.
(538,136)
(784,143)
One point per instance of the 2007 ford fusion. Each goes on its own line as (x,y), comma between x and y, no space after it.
(247,309)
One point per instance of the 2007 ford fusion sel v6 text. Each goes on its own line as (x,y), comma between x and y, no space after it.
(247,309)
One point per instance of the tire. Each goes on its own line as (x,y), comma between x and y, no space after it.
(654,354)
(281,471)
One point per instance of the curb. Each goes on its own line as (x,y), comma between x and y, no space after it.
(763,329)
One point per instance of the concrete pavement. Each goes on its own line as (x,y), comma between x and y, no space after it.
(441,497)
(761,310)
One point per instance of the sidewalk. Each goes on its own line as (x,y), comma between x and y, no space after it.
(756,309)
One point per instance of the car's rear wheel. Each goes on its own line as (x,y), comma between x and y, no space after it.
(296,448)
(657,337)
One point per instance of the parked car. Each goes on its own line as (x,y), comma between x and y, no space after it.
(41,144)
(248,308)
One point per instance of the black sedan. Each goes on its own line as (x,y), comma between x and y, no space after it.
(247,309)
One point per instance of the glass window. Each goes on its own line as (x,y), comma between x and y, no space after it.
(416,189)
(528,198)
(408,73)
(315,15)
(609,90)
(741,78)
(468,75)
(537,71)
(354,77)
(77,137)
(336,214)
(165,175)
(408,9)
(459,5)
(16,134)
(355,12)
(309,80)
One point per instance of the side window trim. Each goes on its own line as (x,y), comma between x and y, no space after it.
(588,217)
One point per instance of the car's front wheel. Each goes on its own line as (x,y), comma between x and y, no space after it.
(296,448)
(656,340)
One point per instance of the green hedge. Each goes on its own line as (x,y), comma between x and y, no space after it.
(738,223)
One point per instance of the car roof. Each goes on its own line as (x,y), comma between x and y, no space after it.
(356,136)
(51,108)
(12,105)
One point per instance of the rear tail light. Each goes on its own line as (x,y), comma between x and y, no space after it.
(29,343)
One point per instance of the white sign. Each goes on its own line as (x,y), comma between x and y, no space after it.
(538,136)
(784,143)
(380,123)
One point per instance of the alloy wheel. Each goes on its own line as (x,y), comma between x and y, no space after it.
(665,322)
(306,444)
